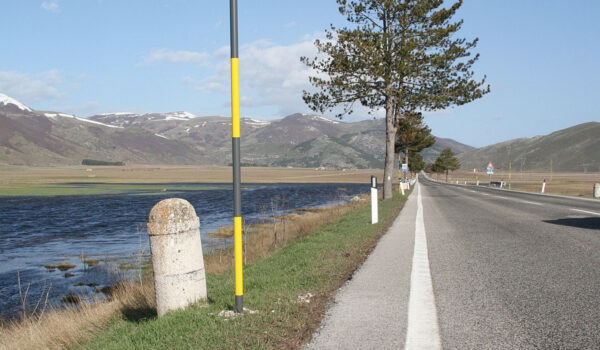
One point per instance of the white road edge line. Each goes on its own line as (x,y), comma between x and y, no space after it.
(422,329)
(528,202)
(587,212)
(514,199)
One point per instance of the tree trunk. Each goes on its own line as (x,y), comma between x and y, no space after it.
(390,139)
(446,175)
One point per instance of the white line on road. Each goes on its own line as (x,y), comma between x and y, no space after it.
(528,202)
(514,199)
(422,329)
(587,212)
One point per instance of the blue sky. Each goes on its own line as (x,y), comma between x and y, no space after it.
(96,56)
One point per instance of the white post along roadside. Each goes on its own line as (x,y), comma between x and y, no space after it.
(374,209)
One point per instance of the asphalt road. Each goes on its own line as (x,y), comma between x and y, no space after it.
(508,271)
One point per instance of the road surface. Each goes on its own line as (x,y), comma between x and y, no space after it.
(466,267)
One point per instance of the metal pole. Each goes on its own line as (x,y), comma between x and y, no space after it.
(235,138)
(509,175)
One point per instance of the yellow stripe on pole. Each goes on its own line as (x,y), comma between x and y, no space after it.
(237,239)
(235,97)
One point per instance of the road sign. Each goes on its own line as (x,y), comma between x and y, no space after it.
(490,168)
(404,167)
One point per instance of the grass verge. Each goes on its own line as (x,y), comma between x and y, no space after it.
(321,249)
(289,290)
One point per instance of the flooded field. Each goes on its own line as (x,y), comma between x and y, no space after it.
(568,184)
(82,244)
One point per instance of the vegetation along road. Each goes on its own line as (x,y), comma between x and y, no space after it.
(465,267)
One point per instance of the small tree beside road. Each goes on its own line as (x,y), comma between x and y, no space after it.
(446,162)
(413,136)
(416,162)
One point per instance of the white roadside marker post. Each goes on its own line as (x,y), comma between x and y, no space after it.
(544,186)
(374,209)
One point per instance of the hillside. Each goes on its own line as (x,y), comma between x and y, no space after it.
(41,138)
(47,138)
(573,149)
(430,154)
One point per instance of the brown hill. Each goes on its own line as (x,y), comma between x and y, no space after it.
(45,138)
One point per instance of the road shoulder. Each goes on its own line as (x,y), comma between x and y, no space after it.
(370,310)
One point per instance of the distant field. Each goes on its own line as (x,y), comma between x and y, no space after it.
(115,179)
(569,184)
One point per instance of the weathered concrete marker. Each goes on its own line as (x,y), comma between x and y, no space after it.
(177,260)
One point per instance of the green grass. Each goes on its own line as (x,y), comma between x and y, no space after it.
(318,264)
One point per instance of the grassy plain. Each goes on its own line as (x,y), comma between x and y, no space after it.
(568,184)
(116,179)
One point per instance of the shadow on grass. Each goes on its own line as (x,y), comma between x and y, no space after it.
(591,223)
(139,314)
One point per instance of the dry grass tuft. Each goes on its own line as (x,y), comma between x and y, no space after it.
(67,328)
(261,240)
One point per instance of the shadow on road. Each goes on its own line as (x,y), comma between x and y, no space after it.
(592,223)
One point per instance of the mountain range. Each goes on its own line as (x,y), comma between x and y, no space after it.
(50,138)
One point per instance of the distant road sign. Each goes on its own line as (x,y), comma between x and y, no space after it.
(404,167)
(490,168)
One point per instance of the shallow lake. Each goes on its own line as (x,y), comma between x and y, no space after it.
(104,235)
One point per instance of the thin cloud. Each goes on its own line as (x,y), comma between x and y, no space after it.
(181,56)
(31,88)
(89,108)
(51,6)
(270,75)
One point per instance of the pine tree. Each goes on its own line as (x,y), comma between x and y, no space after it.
(399,55)
(412,136)
(446,162)
(416,163)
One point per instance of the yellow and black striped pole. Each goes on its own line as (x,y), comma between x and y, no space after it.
(235,137)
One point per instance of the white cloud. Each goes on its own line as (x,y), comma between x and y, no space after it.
(31,88)
(181,56)
(51,6)
(270,75)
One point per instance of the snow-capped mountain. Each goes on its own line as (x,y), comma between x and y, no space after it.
(29,137)
(42,138)
(9,102)
(125,119)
